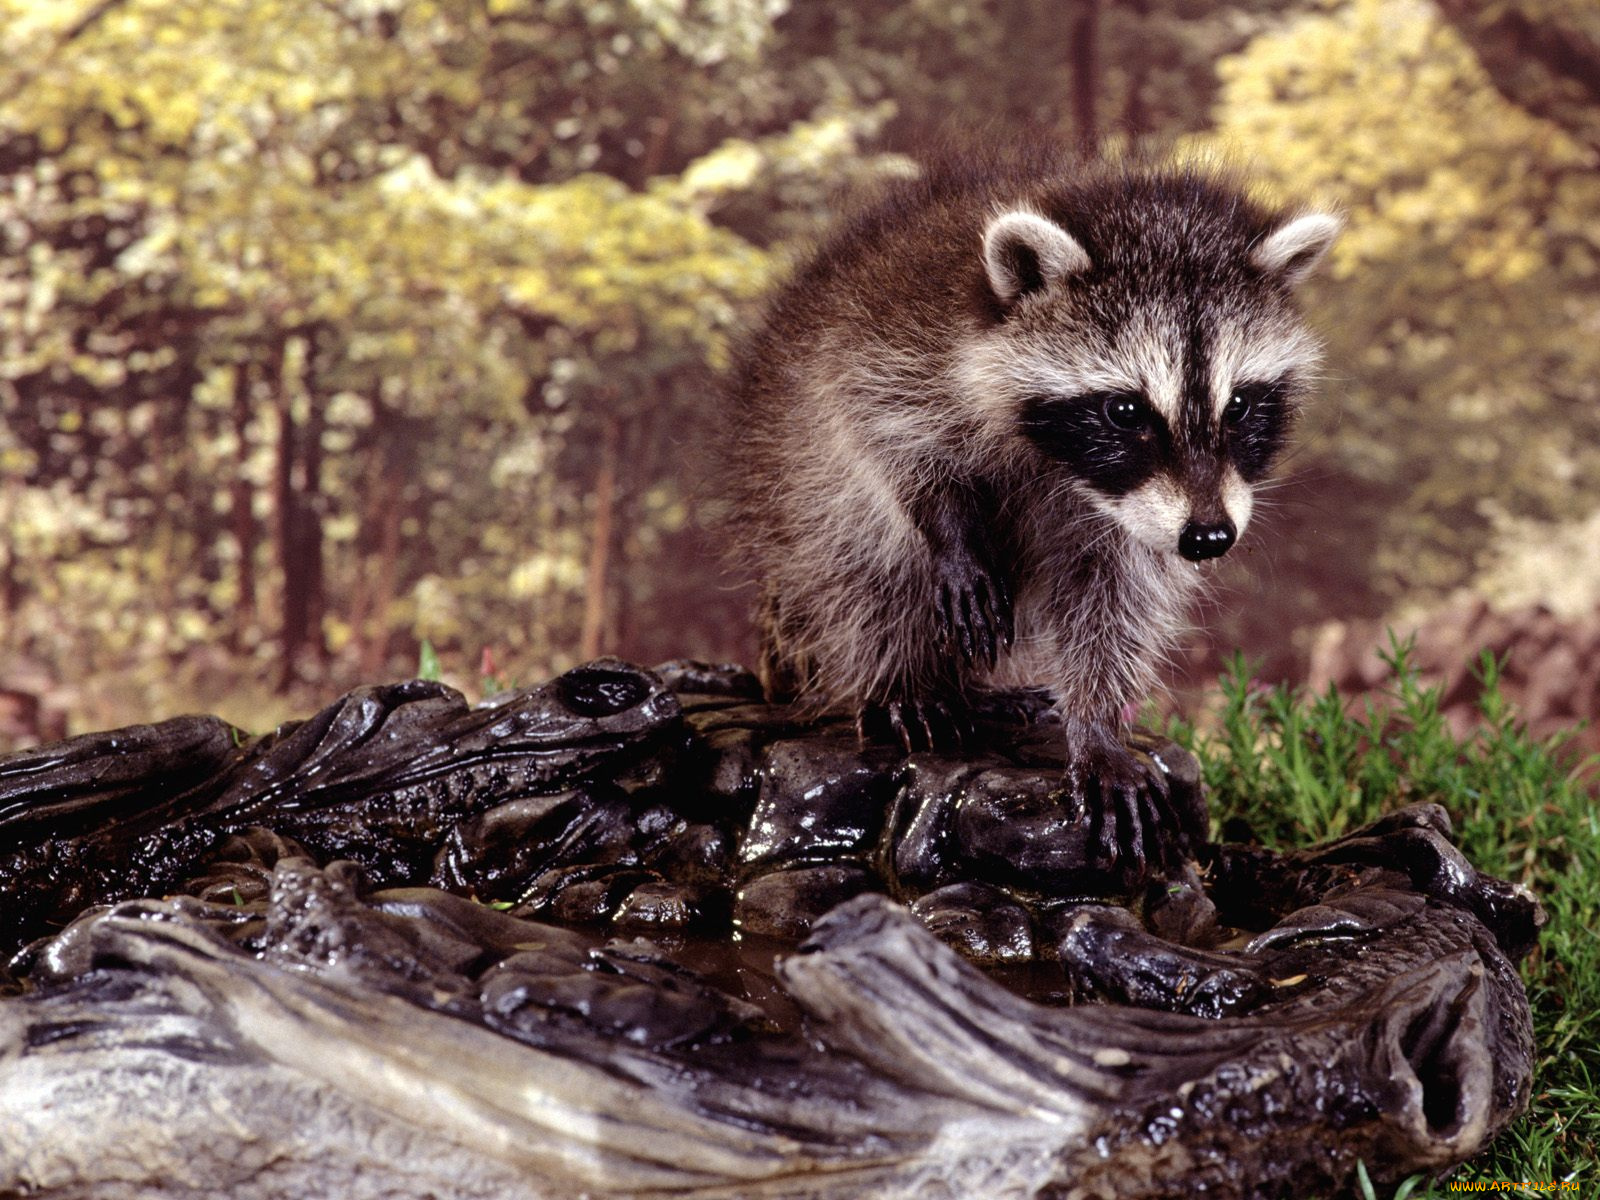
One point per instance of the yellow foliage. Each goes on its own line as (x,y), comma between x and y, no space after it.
(1468,277)
(1378,106)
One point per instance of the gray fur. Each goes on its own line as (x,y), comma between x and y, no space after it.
(893,370)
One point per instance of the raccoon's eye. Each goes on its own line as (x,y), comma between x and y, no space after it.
(1247,398)
(1127,410)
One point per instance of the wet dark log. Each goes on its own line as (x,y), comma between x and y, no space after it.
(380,778)
(299,1017)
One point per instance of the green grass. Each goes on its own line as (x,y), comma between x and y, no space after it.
(1302,768)
(428,662)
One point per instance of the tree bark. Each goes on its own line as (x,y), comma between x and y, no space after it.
(1135,113)
(289,522)
(242,515)
(381,538)
(375,649)
(10,583)
(312,502)
(1086,74)
(597,582)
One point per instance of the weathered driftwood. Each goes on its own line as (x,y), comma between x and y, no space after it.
(273,1028)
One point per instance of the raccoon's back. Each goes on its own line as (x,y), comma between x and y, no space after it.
(853,348)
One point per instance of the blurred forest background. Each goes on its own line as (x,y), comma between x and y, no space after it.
(331,326)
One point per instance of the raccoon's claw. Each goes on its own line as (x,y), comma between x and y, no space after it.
(915,724)
(974,613)
(1125,803)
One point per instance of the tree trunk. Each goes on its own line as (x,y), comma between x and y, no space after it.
(605,499)
(10,583)
(381,573)
(1135,113)
(1537,58)
(243,518)
(375,649)
(1086,74)
(363,548)
(312,502)
(288,523)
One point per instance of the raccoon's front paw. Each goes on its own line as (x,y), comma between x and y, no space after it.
(1123,798)
(917,724)
(974,610)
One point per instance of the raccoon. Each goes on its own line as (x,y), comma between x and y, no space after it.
(987,436)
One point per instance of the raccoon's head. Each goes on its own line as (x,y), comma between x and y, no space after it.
(1142,337)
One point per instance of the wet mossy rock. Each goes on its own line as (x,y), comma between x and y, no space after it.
(258,967)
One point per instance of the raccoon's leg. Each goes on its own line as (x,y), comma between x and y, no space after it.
(970,623)
(971,576)
(785,674)
(1123,797)
(1107,638)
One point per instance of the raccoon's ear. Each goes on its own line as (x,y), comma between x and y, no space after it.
(1293,249)
(1024,253)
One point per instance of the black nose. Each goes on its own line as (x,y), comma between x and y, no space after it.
(1198,541)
